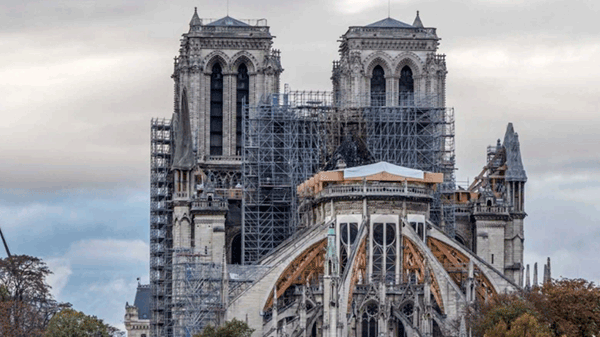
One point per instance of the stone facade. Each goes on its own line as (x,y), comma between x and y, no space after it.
(229,43)
(137,316)
(380,267)
(492,210)
(392,45)
(366,258)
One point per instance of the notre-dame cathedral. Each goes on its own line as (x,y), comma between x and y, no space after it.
(323,213)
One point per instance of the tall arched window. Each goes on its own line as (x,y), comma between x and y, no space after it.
(216,111)
(378,87)
(369,321)
(384,237)
(407,87)
(236,249)
(243,90)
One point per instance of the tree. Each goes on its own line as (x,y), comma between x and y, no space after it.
(26,304)
(233,328)
(566,307)
(571,306)
(71,322)
(499,313)
(525,325)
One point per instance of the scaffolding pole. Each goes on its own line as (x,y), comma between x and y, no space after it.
(196,298)
(284,139)
(418,135)
(161,244)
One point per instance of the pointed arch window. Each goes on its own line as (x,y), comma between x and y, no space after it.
(369,321)
(216,111)
(407,87)
(384,250)
(242,94)
(378,87)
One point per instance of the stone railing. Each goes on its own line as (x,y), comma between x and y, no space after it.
(180,195)
(407,31)
(492,209)
(374,190)
(222,158)
(213,205)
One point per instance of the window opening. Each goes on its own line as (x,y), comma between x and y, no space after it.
(369,321)
(407,87)
(243,90)
(378,87)
(216,111)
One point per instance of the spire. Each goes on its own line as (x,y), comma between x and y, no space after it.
(195,19)
(535,275)
(515,171)
(527,280)
(418,22)
(183,157)
(547,273)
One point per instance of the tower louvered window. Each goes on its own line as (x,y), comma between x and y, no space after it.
(407,87)
(243,90)
(216,111)
(378,87)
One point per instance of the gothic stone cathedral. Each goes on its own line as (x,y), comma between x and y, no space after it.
(323,214)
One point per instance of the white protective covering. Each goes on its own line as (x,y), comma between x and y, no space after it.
(382,166)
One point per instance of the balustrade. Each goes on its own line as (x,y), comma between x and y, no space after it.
(383,189)
(209,205)
(491,209)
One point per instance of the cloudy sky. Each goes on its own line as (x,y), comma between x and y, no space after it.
(81,79)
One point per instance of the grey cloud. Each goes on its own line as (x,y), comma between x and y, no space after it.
(86,77)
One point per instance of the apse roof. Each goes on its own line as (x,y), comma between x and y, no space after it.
(389,23)
(382,166)
(228,21)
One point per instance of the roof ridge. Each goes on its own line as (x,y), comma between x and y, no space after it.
(390,23)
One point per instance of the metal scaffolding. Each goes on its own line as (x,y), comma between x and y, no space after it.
(196,299)
(419,135)
(284,139)
(161,243)
(288,137)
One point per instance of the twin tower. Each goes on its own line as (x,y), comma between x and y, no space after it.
(226,168)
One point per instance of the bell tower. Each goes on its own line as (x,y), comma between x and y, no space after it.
(223,64)
(390,63)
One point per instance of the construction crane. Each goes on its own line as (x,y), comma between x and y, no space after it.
(4,242)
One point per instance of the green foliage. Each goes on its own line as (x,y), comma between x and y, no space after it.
(28,309)
(70,322)
(499,313)
(233,328)
(4,295)
(525,325)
